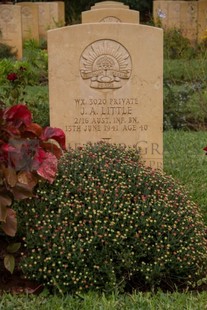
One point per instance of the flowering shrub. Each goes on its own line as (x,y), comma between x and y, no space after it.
(25,81)
(13,81)
(16,76)
(108,222)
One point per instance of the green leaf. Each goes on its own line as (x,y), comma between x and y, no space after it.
(9,262)
(13,247)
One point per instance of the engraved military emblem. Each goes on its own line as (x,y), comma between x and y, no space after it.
(6,15)
(105,64)
(26,11)
(110,19)
(42,10)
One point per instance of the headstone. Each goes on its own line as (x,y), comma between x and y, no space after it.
(116,15)
(189,20)
(104,3)
(51,15)
(174,9)
(160,13)
(30,20)
(106,85)
(109,4)
(180,15)
(202,19)
(11,27)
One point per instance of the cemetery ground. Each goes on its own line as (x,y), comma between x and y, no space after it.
(185,137)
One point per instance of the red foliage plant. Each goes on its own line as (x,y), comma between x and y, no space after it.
(28,153)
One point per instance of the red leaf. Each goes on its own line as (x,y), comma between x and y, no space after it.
(52,148)
(18,115)
(11,130)
(5,201)
(3,212)
(22,191)
(33,129)
(56,134)
(10,176)
(38,159)
(27,178)
(12,154)
(6,148)
(10,226)
(48,167)
(20,153)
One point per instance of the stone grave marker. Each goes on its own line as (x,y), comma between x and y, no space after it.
(117,15)
(181,15)
(109,4)
(51,15)
(202,19)
(106,85)
(105,3)
(189,20)
(30,20)
(11,27)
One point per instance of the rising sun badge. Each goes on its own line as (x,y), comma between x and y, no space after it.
(105,64)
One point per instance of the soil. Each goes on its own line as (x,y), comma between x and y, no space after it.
(15,283)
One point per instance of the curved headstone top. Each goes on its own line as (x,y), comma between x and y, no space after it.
(109,4)
(116,15)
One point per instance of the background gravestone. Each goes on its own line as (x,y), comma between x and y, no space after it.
(109,4)
(105,3)
(30,20)
(106,85)
(188,16)
(11,27)
(110,15)
(202,19)
(189,20)
(51,15)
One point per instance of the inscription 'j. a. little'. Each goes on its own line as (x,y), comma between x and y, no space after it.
(105,114)
(106,111)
